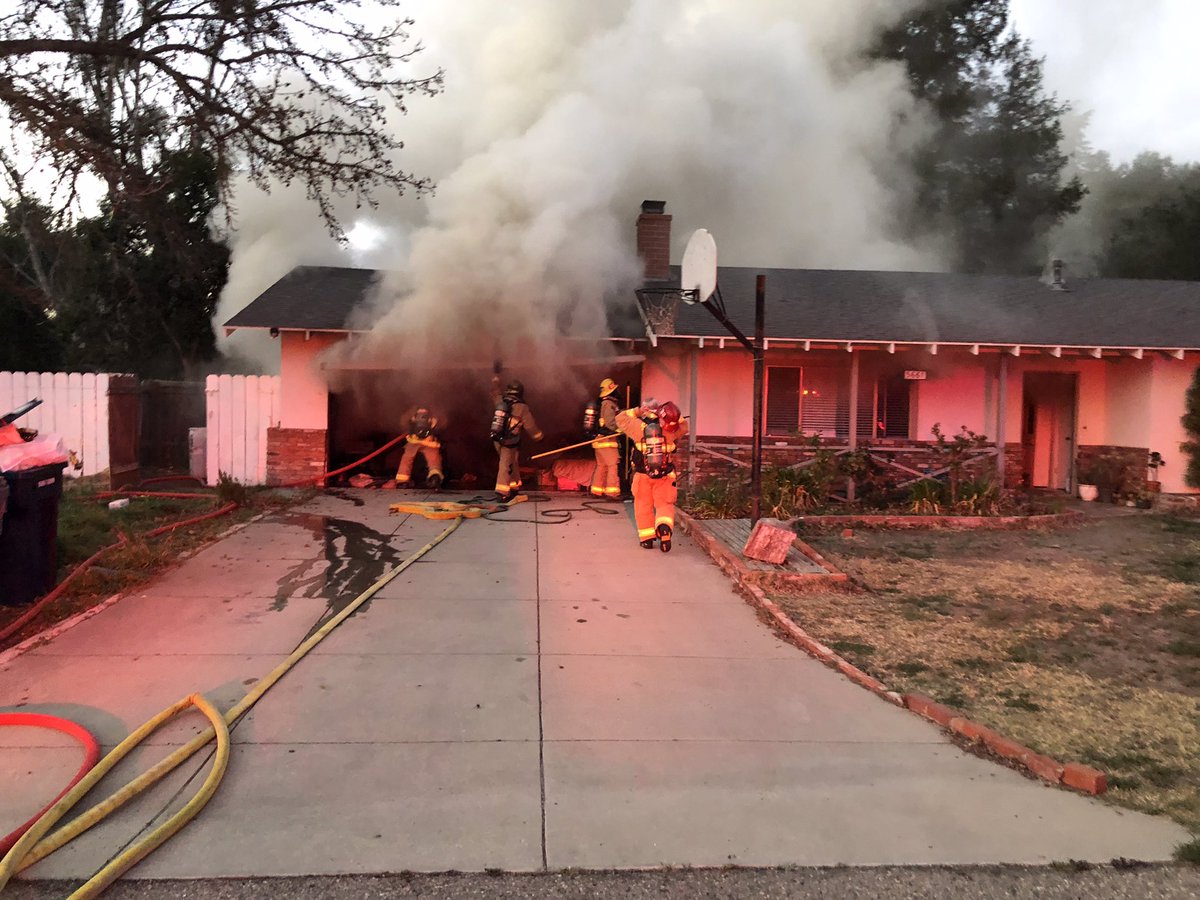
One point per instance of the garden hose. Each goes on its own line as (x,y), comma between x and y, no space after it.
(37,844)
(91,755)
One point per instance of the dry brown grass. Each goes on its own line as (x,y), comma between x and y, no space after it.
(1081,643)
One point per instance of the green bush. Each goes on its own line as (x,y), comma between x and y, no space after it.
(718,498)
(230,490)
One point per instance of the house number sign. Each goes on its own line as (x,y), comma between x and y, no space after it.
(914,374)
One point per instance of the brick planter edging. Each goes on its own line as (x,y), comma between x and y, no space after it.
(948,522)
(1074,775)
(729,563)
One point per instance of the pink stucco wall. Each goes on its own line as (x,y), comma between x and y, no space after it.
(1119,401)
(305,396)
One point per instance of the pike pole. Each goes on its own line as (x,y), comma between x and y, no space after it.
(573,446)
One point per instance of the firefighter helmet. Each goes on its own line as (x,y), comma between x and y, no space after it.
(515,390)
(607,386)
(669,414)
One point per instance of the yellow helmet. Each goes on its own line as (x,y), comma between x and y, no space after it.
(607,386)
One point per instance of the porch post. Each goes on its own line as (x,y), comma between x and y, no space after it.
(694,383)
(853,442)
(1001,416)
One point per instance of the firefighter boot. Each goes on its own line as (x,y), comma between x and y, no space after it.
(434,482)
(648,544)
(664,537)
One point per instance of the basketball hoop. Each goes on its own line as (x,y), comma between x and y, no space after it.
(660,306)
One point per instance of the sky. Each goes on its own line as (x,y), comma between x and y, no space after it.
(1132,63)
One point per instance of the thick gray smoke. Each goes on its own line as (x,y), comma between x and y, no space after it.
(761,120)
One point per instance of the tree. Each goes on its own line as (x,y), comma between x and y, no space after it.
(31,339)
(137,293)
(296,90)
(992,175)
(1160,241)
(1191,424)
(1139,219)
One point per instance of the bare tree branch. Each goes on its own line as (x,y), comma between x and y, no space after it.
(294,90)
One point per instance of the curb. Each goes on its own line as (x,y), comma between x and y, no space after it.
(951,523)
(1073,775)
(50,633)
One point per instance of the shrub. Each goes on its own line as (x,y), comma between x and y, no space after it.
(718,498)
(230,490)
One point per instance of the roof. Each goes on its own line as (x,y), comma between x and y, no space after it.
(322,298)
(933,307)
(308,298)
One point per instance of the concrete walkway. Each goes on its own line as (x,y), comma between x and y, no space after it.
(526,697)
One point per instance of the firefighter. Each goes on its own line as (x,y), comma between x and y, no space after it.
(606,479)
(422,438)
(656,431)
(511,419)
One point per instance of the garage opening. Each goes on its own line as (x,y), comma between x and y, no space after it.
(370,407)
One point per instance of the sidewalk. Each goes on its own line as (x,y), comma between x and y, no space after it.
(525,697)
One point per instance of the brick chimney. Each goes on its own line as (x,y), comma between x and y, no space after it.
(654,240)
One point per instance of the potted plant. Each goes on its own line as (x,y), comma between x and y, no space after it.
(1087,475)
(1105,472)
(1155,462)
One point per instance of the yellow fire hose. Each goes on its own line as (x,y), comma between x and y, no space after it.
(34,846)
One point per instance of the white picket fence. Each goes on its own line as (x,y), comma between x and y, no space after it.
(75,407)
(239,410)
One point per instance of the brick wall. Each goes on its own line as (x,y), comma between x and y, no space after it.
(1131,464)
(296,454)
(919,455)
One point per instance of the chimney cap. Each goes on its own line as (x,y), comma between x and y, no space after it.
(654,207)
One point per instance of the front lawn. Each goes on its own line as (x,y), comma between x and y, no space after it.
(1082,643)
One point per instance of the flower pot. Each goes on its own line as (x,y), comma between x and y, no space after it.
(1088,492)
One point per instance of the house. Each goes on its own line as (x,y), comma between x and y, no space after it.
(1051,371)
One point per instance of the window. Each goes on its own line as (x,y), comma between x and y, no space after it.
(783,400)
(811,400)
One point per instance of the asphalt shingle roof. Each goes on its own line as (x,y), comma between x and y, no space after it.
(312,298)
(843,305)
(815,304)
(322,298)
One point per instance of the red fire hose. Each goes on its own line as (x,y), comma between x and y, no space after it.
(91,755)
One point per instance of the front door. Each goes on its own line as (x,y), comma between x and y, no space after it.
(1049,429)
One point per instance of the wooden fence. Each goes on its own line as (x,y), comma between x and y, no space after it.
(75,406)
(239,410)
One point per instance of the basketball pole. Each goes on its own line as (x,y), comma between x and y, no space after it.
(760,302)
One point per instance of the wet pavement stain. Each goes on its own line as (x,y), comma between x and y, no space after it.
(355,557)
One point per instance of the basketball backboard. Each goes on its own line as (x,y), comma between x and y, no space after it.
(698,278)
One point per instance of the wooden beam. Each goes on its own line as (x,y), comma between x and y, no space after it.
(853,442)
(1001,417)
(720,343)
(849,346)
(700,343)
(1095,352)
(974,349)
(1137,353)
(1014,351)
(933,348)
(1056,352)
(891,348)
(1177,354)
(766,343)
(807,346)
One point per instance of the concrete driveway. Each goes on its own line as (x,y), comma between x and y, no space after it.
(525,697)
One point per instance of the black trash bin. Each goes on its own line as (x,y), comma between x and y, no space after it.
(29,534)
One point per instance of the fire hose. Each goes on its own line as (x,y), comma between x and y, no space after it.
(37,843)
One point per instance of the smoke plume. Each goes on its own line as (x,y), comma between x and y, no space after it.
(764,121)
